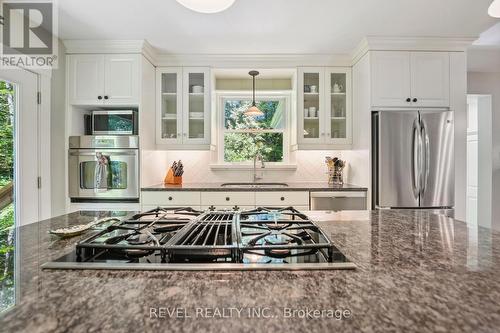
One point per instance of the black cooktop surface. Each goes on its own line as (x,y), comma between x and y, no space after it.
(185,238)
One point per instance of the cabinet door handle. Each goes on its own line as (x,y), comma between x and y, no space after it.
(236,208)
(212,208)
(178,134)
(327,134)
(408,99)
(170,198)
(99,97)
(322,134)
(282,198)
(415,100)
(106,97)
(228,198)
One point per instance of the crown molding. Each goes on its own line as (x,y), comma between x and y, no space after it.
(107,46)
(253,60)
(380,43)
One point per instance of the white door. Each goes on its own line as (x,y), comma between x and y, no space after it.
(196,106)
(26,144)
(430,79)
(86,79)
(391,79)
(121,79)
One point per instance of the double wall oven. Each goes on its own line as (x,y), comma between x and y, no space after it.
(104,168)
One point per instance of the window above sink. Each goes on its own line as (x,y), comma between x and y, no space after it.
(240,137)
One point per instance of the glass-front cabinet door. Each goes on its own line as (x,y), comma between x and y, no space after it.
(196,105)
(169,124)
(183,107)
(338,106)
(324,106)
(310,105)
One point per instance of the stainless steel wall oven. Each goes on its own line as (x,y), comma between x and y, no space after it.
(103,168)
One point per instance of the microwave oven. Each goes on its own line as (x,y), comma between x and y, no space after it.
(111,122)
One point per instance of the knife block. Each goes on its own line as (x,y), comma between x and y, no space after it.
(171,179)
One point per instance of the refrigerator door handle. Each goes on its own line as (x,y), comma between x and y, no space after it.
(426,158)
(415,157)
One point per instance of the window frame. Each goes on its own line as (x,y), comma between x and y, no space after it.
(223,96)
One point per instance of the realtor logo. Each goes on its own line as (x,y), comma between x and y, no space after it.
(28,34)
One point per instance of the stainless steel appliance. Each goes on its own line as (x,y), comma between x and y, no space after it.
(113,122)
(187,239)
(413,159)
(335,201)
(104,168)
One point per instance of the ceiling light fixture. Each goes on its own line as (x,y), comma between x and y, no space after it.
(494,10)
(207,6)
(254,111)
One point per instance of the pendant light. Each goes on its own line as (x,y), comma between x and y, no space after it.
(207,6)
(254,111)
(494,10)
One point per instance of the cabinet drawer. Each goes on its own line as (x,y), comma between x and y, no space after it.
(282,198)
(145,208)
(174,198)
(227,207)
(227,198)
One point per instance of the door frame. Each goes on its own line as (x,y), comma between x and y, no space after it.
(44,160)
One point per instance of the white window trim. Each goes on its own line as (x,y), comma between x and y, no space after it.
(221,96)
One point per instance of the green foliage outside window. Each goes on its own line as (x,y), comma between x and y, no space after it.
(7,232)
(6,133)
(240,145)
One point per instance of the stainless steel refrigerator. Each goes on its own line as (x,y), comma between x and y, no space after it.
(413,162)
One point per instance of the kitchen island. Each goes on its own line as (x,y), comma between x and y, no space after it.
(416,272)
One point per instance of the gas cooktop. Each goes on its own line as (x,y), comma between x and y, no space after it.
(187,239)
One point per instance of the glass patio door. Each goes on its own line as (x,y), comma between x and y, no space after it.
(19,170)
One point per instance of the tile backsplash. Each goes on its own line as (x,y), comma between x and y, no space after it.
(310,167)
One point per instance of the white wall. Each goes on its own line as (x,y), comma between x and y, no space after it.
(57,140)
(489,83)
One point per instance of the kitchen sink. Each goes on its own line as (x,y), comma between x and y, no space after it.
(254,185)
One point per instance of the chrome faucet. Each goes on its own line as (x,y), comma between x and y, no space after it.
(256,157)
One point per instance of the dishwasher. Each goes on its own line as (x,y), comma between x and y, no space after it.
(338,200)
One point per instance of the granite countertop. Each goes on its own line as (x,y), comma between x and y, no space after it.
(417,272)
(297,186)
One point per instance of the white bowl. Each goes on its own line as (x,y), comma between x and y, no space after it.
(197,89)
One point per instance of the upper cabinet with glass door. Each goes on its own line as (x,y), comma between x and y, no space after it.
(196,106)
(169,106)
(324,106)
(338,106)
(183,107)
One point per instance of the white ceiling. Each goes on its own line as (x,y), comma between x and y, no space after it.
(270,26)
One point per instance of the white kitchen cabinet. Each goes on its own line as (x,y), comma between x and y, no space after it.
(196,105)
(171,199)
(104,79)
(226,207)
(228,199)
(121,79)
(391,79)
(324,106)
(169,106)
(410,79)
(281,199)
(86,79)
(183,107)
(430,79)
(338,112)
